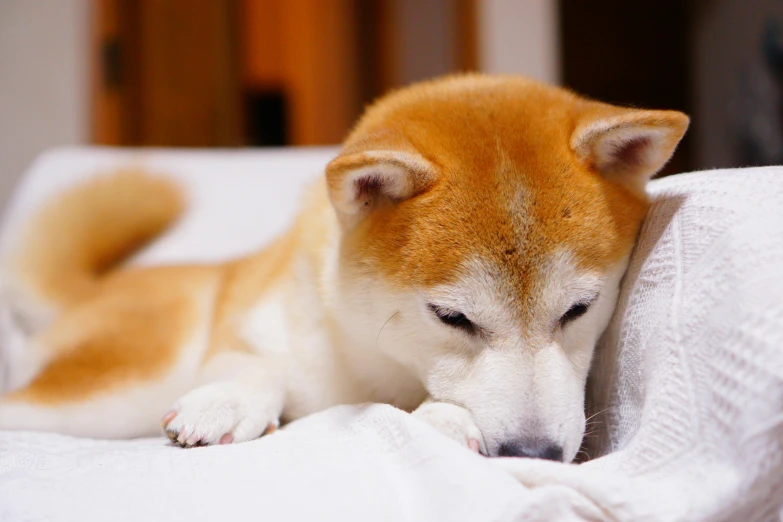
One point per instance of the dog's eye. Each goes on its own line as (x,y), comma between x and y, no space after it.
(453,318)
(575,312)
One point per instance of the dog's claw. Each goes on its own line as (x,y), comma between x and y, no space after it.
(179,439)
(168,418)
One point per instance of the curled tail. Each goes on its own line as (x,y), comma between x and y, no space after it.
(84,232)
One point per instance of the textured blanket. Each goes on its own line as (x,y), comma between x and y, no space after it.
(687,387)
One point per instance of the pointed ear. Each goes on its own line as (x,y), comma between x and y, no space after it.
(361,181)
(629,146)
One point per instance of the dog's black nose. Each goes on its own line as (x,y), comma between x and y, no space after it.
(533,449)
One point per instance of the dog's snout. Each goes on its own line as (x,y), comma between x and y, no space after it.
(534,449)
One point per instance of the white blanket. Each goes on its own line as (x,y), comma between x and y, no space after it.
(688,382)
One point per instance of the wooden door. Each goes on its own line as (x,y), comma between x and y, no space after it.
(166,73)
(262,72)
(308,51)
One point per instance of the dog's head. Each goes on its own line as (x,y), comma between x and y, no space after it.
(487,222)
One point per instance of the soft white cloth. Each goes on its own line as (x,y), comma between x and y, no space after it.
(690,371)
(690,375)
(349,464)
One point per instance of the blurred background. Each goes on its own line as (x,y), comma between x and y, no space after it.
(237,73)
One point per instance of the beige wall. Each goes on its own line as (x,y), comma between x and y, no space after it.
(520,37)
(426,38)
(44,84)
(514,36)
(43,81)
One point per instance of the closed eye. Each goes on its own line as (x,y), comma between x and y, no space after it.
(576,311)
(453,319)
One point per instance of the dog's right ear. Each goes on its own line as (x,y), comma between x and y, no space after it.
(360,182)
(628,146)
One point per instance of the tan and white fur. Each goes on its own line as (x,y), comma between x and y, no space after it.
(459,259)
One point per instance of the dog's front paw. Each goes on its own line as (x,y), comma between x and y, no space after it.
(453,421)
(220,413)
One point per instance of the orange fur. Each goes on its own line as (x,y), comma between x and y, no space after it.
(129,326)
(500,168)
(85,232)
(246,279)
(526,160)
(129,331)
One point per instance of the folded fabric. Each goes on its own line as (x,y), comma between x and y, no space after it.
(688,379)
(363,463)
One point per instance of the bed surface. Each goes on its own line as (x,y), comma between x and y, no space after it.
(688,380)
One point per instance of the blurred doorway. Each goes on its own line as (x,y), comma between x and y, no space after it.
(608,55)
(165,73)
(262,72)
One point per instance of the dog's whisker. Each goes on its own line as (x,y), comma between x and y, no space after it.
(455,403)
(583,452)
(382,327)
(596,414)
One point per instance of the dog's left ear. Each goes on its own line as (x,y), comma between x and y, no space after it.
(628,146)
(359,182)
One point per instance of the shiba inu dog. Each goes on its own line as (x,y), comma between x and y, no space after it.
(459,259)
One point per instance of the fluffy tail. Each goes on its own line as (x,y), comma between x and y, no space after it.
(84,232)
